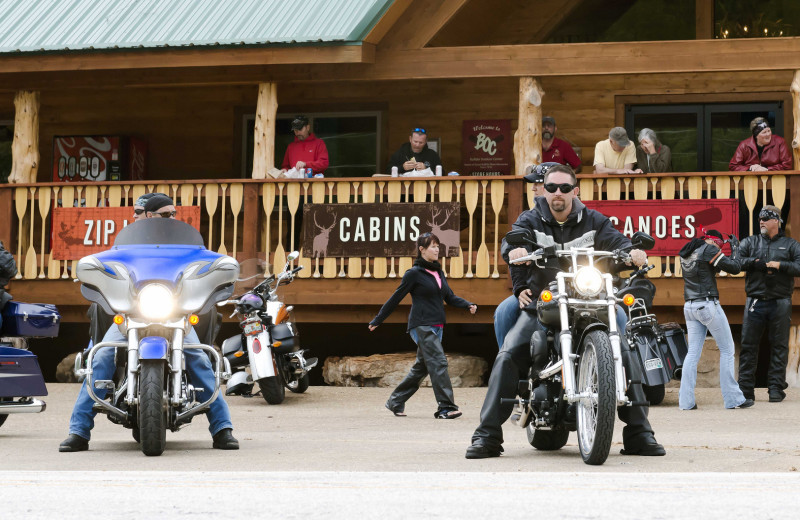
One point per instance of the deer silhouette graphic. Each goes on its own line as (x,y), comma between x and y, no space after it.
(320,246)
(447,237)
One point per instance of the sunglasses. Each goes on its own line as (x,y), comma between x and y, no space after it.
(419,131)
(166,214)
(138,211)
(765,219)
(552,187)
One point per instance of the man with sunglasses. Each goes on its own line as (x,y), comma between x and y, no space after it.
(771,261)
(415,154)
(558,219)
(198,366)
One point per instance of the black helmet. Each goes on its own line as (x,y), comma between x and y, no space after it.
(538,172)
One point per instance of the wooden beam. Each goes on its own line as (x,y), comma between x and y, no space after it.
(795,90)
(25,147)
(528,138)
(704,19)
(387,21)
(189,57)
(264,131)
(425,20)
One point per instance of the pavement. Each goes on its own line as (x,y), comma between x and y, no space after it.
(338,453)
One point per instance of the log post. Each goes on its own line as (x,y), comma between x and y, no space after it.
(795,90)
(264,138)
(25,147)
(528,139)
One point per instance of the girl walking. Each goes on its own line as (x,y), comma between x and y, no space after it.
(428,287)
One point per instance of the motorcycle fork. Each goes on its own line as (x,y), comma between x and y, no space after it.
(176,362)
(565,341)
(133,365)
(616,349)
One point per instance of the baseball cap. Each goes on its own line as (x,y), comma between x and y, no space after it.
(158,201)
(619,136)
(141,201)
(299,122)
(538,171)
(549,119)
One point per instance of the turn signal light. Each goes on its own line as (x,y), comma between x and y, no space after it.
(194,319)
(238,354)
(628,299)
(119,319)
(546,296)
(277,344)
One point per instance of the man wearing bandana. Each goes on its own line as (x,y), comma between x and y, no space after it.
(761,152)
(771,261)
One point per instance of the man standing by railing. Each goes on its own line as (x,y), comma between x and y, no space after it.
(771,260)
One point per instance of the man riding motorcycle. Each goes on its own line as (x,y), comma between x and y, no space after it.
(198,367)
(558,219)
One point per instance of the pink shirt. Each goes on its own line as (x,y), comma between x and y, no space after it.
(439,281)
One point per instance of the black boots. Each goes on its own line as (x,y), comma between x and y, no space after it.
(74,443)
(224,440)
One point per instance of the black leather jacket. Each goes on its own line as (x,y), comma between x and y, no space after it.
(700,267)
(770,284)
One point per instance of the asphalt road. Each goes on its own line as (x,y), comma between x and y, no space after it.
(336,452)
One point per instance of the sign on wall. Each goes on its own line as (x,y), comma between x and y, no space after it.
(378,230)
(486,147)
(78,232)
(671,222)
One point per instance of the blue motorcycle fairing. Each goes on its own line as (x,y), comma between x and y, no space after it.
(153,347)
(20,375)
(147,263)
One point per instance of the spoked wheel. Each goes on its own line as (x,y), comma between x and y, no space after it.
(596,409)
(298,386)
(546,440)
(152,407)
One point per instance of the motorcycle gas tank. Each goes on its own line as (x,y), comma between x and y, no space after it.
(260,354)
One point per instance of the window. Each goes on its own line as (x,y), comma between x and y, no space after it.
(6,138)
(756,18)
(352,140)
(702,137)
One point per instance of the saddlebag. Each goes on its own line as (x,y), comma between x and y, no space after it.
(674,348)
(284,333)
(20,375)
(30,319)
(647,352)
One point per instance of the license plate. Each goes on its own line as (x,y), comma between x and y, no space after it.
(252,328)
(652,364)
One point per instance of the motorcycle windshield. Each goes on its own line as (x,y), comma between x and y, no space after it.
(165,251)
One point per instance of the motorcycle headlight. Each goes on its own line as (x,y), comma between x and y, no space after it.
(156,302)
(588,282)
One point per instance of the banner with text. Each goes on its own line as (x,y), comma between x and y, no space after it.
(671,222)
(486,147)
(379,230)
(78,232)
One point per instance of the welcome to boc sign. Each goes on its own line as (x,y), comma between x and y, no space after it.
(671,222)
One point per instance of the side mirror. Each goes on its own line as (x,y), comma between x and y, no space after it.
(519,237)
(642,240)
(294,255)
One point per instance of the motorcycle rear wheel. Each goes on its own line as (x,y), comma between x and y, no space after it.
(298,386)
(272,388)
(596,412)
(655,394)
(547,440)
(152,407)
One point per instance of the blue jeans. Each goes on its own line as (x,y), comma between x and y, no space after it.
(198,366)
(702,316)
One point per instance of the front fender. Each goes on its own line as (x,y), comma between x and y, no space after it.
(153,347)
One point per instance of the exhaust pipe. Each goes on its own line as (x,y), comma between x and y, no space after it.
(31,406)
(676,374)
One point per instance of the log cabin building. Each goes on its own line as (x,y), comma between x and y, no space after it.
(210,88)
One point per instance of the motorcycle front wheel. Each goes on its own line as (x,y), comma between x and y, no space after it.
(298,386)
(272,388)
(152,407)
(596,409)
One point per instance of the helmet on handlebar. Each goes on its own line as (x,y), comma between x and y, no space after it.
(250,303)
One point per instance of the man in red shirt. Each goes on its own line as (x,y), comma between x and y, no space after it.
(307,151)
(555,149)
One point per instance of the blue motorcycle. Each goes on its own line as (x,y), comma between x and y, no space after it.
(21,380)
(156,281)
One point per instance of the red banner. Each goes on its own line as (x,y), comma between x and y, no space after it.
(671,222)
(486,147)
(78,232)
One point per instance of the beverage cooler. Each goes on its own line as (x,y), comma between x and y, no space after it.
(99,158)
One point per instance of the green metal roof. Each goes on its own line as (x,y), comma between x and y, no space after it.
(79,25)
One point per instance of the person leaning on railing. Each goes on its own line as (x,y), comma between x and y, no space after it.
(615,154)
(651,155)
(761,152)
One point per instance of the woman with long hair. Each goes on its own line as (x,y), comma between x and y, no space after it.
(428,287)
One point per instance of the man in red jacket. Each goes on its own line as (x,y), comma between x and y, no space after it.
(761,152)
(307,151)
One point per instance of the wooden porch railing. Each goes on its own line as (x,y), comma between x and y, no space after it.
(258,218)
